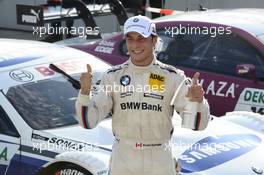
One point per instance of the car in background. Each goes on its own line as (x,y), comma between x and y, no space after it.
(38,130)
(225,46)
(40,136)
(227,146)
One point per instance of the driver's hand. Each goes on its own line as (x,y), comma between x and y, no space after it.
(195,92)
(86,80)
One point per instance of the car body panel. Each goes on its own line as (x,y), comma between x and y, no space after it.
(220,151)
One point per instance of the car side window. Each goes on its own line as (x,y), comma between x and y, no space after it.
(183,50)
(6,126)
(220,54)
(228,51)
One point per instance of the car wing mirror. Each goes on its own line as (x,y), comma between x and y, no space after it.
(247,70)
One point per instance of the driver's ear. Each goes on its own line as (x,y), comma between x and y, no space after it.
(154,39)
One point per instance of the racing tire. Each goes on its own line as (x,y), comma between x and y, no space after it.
(65,168)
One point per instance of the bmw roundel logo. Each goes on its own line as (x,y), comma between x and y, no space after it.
(125,80)
(136,20)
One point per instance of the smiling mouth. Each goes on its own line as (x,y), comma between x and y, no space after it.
(137,51)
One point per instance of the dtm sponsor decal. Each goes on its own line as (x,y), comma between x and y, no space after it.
(39,137)
(251,99)
(21,75)
(68,145)
(140,105)
(3,160)
(102,172)
(156,82)
(3,154)
(70,66)
(254,96)
(106,43)
(213,151)
(68,172)
(7,151)
(220,88)
(105,47)
(259,110)
(9,61)
(29,15)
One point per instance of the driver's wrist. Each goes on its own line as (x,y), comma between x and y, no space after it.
(85,91)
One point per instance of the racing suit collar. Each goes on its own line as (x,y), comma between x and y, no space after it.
(140,69)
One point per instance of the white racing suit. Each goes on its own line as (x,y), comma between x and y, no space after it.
(139,100)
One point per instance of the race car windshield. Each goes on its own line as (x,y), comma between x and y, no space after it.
(46,104)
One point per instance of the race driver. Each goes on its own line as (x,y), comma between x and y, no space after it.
(141,106)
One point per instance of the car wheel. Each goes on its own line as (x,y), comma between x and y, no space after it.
(65,169)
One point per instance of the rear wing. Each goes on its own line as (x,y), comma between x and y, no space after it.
(57,11)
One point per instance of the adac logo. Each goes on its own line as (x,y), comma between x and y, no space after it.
(125,80)
(156,82)
(156,77)
(213,151)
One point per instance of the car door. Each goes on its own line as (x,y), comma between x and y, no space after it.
(216,56)
(9,143)
(29,158)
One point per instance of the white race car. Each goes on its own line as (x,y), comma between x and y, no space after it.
(37,112)
(39,134)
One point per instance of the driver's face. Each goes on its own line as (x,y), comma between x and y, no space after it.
(140,49)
